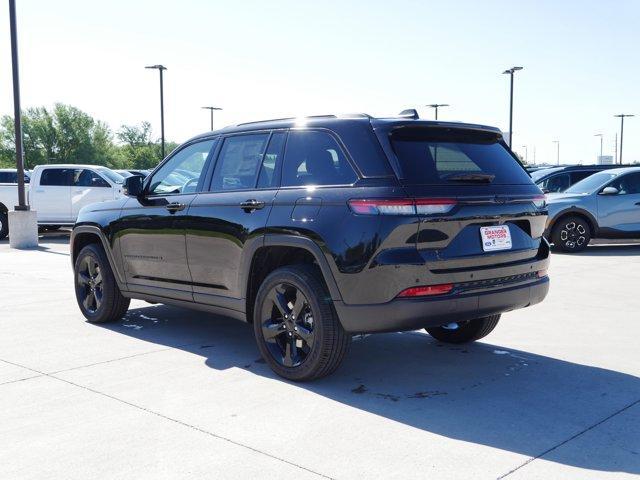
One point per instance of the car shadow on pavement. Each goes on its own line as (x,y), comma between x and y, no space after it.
(486,394)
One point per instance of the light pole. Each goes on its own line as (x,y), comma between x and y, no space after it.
(526,154)
(622,117)
(557,142)
(160,68)
(211,109)
(600,135)
(17,118)
(435,106)
(23,222)
(510,72)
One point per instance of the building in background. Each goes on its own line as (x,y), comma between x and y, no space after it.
(605,160)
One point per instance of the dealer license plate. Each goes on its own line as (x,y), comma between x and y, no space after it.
(495,238)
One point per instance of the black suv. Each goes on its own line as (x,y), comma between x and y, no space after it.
(318,228)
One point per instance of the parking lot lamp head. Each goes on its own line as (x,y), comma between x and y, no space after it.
(436,106)
(211,109)
(160,68)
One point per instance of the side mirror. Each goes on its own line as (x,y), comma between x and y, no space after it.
(609,191)
(133,186)
(545,191)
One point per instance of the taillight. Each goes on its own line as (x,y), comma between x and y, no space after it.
(401,206)
(426,290)
(540,201)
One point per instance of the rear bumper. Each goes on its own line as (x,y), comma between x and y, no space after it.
(411,314)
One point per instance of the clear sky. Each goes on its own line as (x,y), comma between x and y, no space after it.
(266,59)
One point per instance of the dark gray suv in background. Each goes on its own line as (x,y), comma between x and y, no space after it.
(318,228)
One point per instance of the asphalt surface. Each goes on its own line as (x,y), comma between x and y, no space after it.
(169,393)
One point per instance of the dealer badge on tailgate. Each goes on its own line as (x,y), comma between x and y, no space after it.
(495,238)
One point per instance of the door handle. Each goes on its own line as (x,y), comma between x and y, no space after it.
(250,205)
(175,207)
(637,203)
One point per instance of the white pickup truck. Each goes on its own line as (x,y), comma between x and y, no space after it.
(58,192)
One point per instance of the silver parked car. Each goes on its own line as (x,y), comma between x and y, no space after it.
(604,205)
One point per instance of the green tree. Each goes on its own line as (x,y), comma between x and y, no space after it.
(138,148)
(63,135)
(66,134)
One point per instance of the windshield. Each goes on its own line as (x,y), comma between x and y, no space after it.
(437,156)
(538,174)
(592,183)
(113,176)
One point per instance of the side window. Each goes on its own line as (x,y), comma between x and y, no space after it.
(6,177)
(268,172)
(577,176)
(315,158)
(56,177)
(239,161)
(627,184)
(88,178)
(557,183)
(181,173)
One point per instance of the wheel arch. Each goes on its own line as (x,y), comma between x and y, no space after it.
(278,251)
(577,212)
(84,235)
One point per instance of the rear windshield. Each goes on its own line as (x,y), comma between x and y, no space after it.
(437,156)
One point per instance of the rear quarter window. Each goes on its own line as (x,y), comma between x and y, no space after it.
(434,156)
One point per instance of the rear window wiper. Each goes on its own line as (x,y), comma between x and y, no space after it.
(469,177)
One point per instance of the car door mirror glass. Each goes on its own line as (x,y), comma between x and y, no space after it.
(609,191)
(133,186)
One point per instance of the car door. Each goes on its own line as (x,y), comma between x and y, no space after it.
(51,196)
(317,182)
(151,231)
(88,187)
(226,223)
(619,214)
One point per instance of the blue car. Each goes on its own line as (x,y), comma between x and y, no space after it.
(604,205)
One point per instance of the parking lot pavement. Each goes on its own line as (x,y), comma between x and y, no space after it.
(553,392)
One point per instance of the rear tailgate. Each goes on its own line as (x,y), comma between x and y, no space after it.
(487,187)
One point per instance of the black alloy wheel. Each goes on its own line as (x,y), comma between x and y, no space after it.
(97,293)
(571,234)
(90,280)
(296,326)
(288,326)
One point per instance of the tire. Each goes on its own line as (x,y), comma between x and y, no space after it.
(296,326)
(52,228)
(4,225)
(97,292)
(465,332)
(571,234)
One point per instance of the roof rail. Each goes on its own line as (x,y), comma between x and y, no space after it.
(347,115)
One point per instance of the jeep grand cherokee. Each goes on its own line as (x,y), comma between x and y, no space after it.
(318,228)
